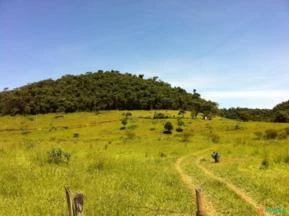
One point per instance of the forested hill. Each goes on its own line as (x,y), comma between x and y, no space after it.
(99,91)
(280,113)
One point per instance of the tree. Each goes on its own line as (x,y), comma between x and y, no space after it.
(281,116)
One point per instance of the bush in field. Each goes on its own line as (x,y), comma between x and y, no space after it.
(286,159)
(75,135)
(58,156)
(58,116)
(265,164)
(180,122)
(179,129)
(270,134)
(130,135)
(168,127)
(160,116)
(127,114)
(286,130)
(237,127)
(124,123)
(282,134)
(186,136)
(97,165)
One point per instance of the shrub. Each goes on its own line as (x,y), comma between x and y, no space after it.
(186,136)
(57,156)
(180,122)
(179,129)
(30,118)
(265,164)
(127,114)
(286,130)
(152,129)
(132,126)
(282,134)
(58,116)
(286,159)
(124,123)
(98,165)
(75,135)
(270,134)
(237,127)
(168,127)
(130,135)
(161,154)
(24,132)
(160,116)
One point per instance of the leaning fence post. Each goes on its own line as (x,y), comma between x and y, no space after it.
(199,202)
(68,199)
(78,202)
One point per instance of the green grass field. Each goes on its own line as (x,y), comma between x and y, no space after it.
(132,171)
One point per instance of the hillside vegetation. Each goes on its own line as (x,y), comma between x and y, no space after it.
(136,170)
(280,113)
(108,90)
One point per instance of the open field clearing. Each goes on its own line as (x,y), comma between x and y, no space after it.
(139,170)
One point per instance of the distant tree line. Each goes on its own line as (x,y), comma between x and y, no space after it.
(280,113)
(101,90)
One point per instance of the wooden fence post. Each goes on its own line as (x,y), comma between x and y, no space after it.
(68,199)
(75,208)
(199,202)
(78,202)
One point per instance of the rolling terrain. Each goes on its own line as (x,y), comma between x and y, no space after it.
(139,170)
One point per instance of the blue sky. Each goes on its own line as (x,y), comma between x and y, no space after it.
(232,52)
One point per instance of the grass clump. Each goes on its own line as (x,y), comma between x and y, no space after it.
(159,115)
(179,129)
(58,156)
(124,122)
(265,163)
(75,135)
(270,134)
(282,134)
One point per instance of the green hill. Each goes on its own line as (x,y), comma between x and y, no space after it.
(101,90)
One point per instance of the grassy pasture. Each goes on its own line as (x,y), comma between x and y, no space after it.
(131,171)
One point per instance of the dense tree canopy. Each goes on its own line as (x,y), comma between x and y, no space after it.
(247,114)
(99,91)
(280,113)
